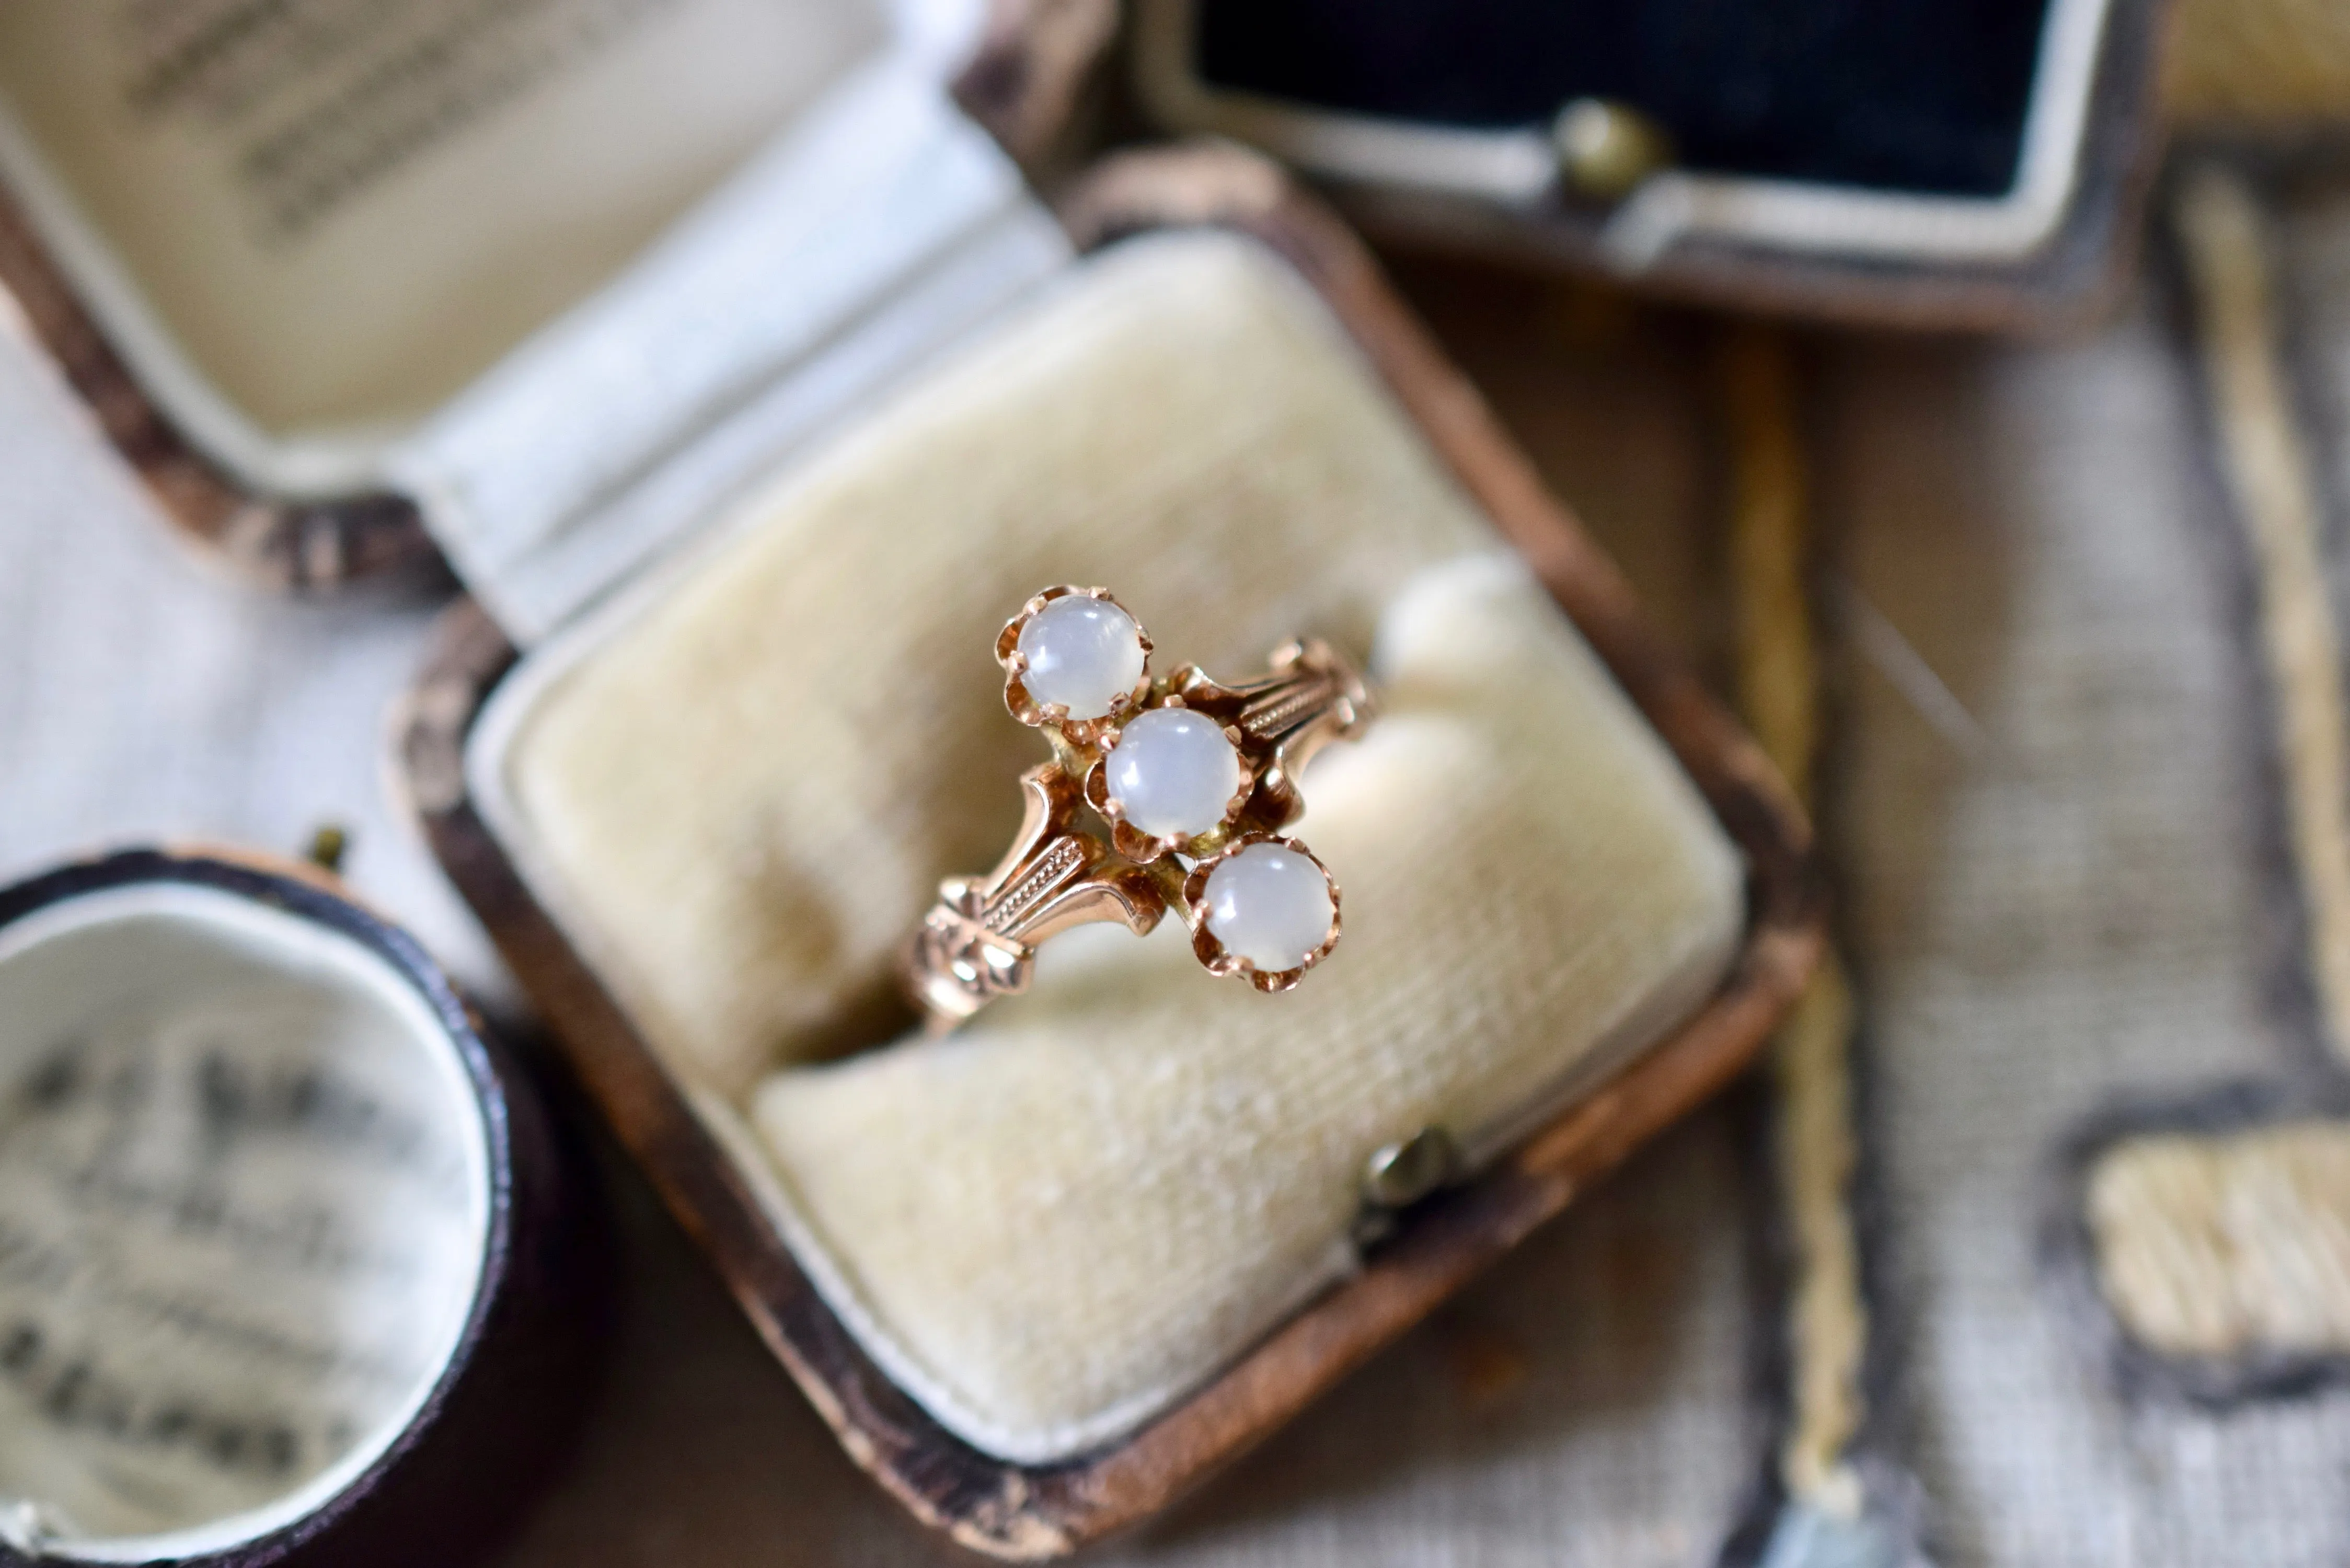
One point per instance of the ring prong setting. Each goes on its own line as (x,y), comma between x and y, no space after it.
(1076,662)
(1192,778)
(1264,907)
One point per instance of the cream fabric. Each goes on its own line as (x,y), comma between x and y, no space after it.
(2218,1245)
(742,786)
(739,791)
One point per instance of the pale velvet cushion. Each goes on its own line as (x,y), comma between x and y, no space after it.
(739,791)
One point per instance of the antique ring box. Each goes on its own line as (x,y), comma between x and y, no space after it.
(290,1266)
(736,503)
(1897,164)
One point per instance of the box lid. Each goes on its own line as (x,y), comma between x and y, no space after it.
(554,322)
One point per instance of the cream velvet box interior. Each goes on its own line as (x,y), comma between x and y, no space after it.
(737,787)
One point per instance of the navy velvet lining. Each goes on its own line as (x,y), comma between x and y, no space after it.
(1905,94)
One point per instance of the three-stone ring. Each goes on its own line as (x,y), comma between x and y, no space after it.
(1191,783)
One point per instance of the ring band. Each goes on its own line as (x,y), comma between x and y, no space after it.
(1193,782)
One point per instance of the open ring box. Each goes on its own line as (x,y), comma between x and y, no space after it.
(1895,165)
(741,521)
(291,1268)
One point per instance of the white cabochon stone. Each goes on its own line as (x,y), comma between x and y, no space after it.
(1083,653)
(1173,772)
(1270,905)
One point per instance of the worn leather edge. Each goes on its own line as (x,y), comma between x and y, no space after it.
(292,547)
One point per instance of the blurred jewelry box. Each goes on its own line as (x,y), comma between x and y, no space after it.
(1980,166)
(724,352)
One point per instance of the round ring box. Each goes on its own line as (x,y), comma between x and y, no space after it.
(292,1261)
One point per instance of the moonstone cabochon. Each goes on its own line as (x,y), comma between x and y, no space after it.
(1270,905)
(1173,773)
(1083,653)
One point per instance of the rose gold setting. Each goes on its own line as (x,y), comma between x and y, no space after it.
(1210,949)
(1312,697)
(1135,843)
(978,941)
(1077,735)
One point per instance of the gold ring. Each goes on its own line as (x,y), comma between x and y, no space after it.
(1166,794)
